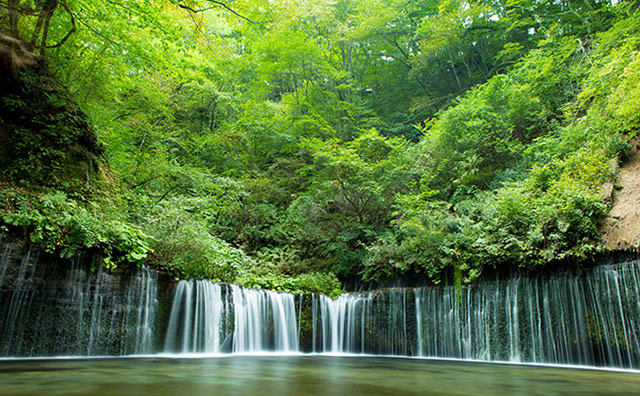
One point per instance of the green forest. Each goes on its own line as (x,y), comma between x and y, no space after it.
(312,145)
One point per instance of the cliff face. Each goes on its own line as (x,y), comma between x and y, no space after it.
(45,139)
(54,307)
(620,230)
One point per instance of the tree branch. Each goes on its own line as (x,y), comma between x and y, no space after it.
(219,4)
(47,13)
(186,7)
(73,27)
(97,33)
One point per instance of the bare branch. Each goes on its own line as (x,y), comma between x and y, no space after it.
(97,33)
(47,13)
(218,4)
(71,31)
(186,7)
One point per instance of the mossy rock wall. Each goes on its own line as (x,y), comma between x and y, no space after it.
(45,139)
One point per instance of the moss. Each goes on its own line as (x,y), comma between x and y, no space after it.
(45,139)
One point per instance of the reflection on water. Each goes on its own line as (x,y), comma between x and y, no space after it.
(302,375)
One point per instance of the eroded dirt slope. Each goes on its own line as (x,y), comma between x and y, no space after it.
(621,228)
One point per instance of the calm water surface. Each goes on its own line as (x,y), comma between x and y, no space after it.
(302,375)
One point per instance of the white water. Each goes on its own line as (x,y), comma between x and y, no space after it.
(197,318)
(591,319)
(211,318)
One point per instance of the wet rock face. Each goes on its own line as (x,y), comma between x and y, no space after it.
(51,307)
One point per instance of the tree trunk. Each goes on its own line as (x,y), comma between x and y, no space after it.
(13,17)
(47,11)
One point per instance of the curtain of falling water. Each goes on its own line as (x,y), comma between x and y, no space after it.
(592,318)
(587,319)
(52,311)
(211,318)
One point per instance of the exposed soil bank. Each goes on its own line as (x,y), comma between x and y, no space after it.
(620,230)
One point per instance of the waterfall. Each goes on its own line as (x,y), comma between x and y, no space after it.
(207,317)
(140,311)
(49,310)
(375,322)
(199,318)
(587,319)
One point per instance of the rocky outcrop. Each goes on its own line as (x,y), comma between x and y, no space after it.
(620,230)
(45,138)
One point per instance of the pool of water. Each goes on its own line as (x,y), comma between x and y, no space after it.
(303,375)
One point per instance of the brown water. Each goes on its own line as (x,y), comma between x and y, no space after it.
(303,375)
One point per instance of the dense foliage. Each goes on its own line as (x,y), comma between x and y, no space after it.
(296,144)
